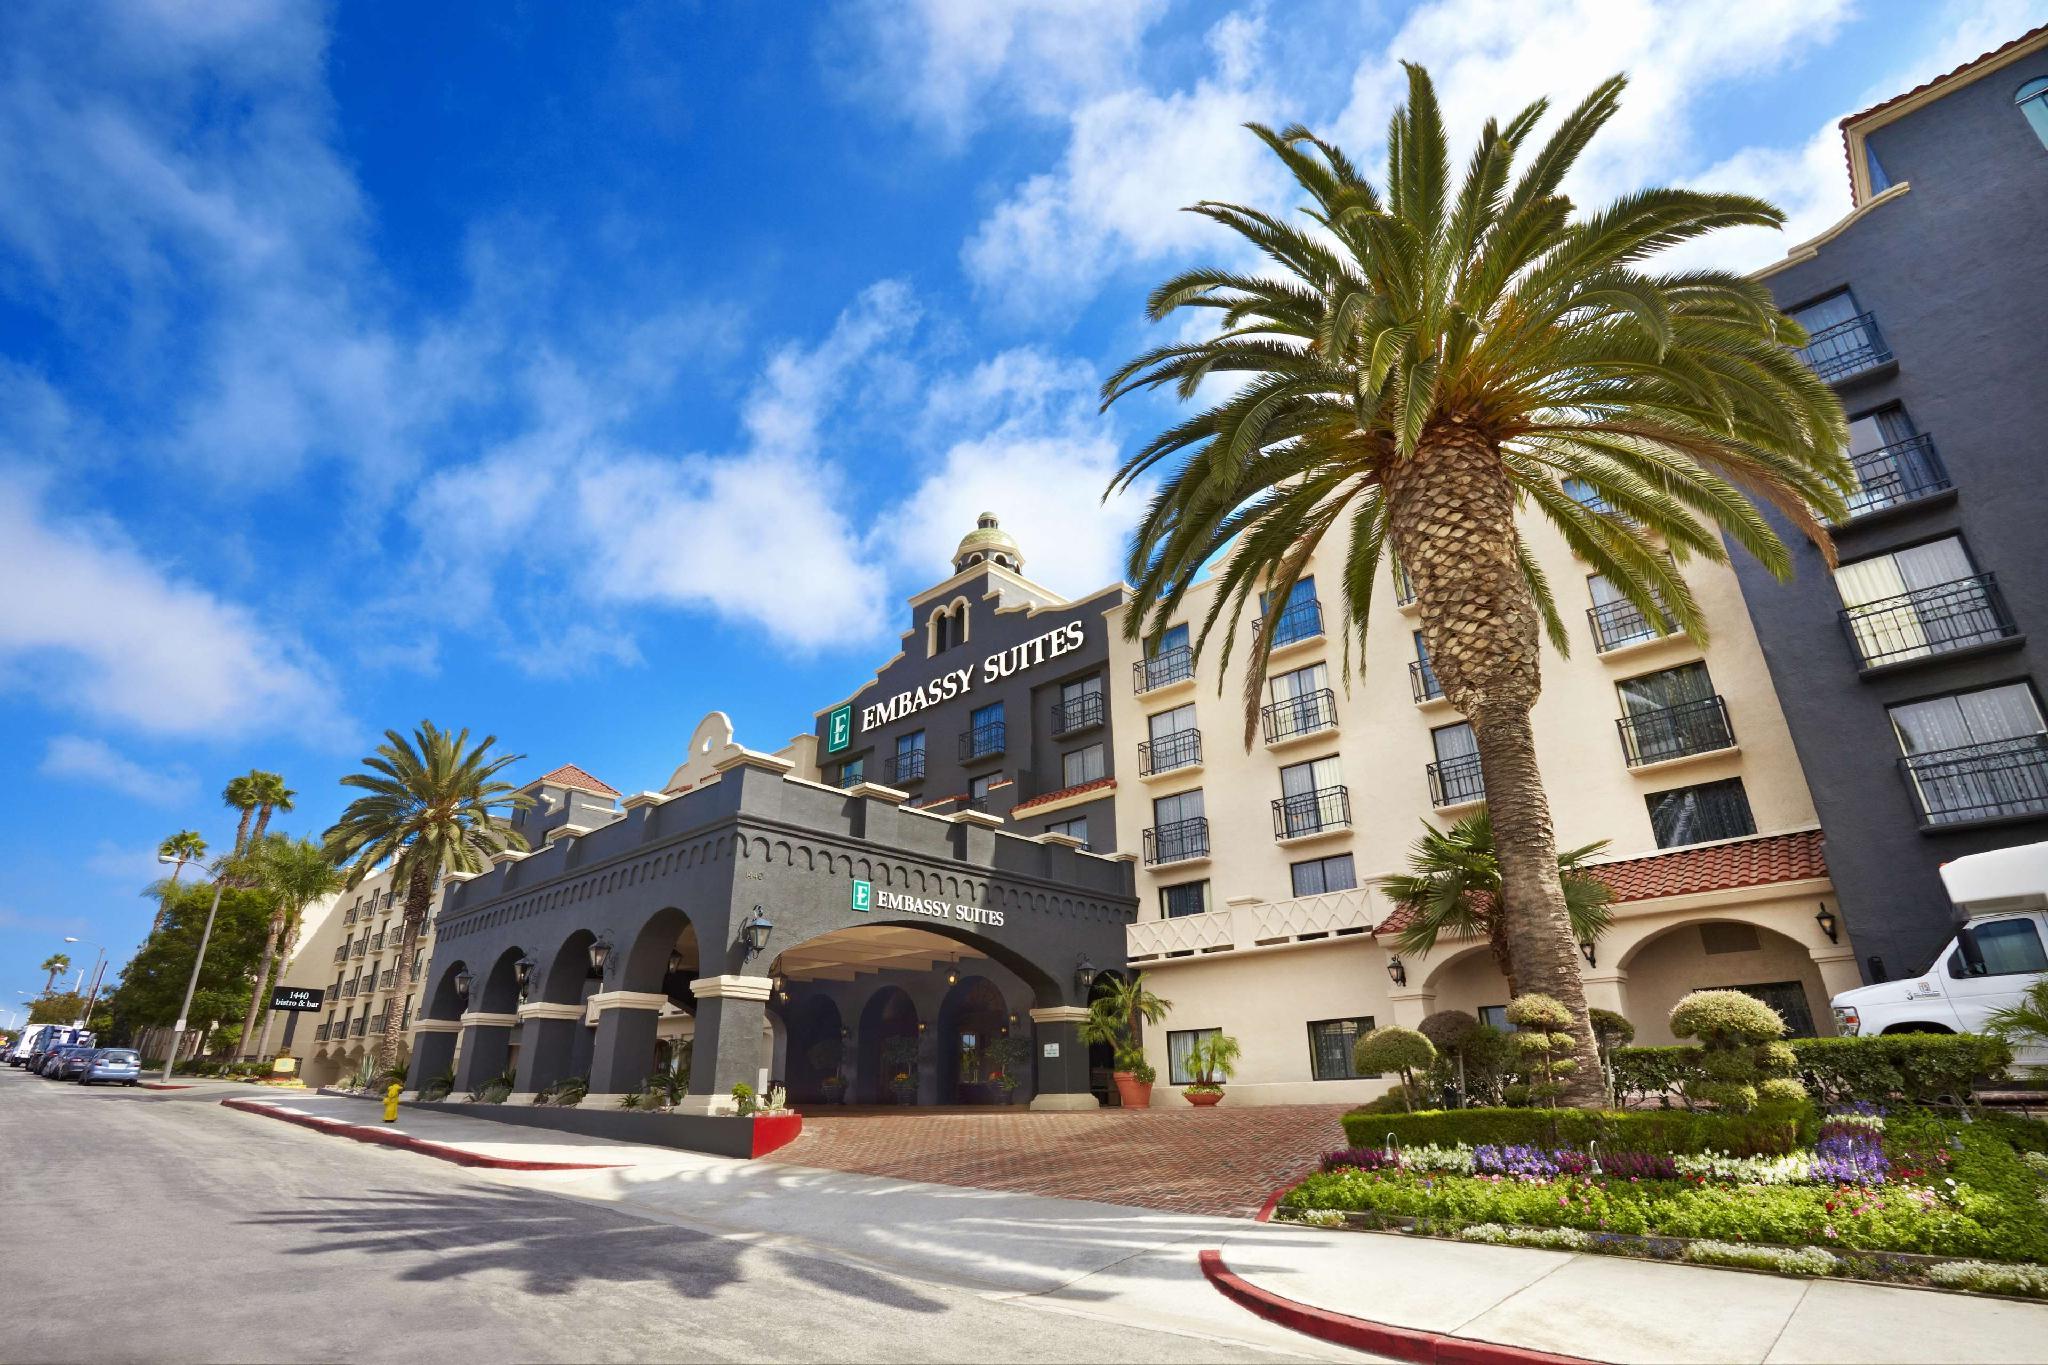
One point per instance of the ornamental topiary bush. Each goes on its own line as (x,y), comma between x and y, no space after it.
(1400,1050)
(1546,1043)
(1611,1030)
(1742,1063)
(1913,1068)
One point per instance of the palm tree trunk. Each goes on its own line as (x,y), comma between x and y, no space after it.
(1451,515)
(419,891)
(251,1047)
(242,831)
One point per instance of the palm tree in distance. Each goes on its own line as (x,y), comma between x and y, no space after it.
(241,794)
(1452,889)
(293,873)
(429,805)
(1420,363)
(183,847)
(272,797)
(54,966)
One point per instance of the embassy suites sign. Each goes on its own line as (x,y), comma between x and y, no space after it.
(959,682)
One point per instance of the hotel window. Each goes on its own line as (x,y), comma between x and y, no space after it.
(978,789)
(1168,659)
(1495,1016)
(1671,713)
(1975,755)
(1616,620)
(1455,778)
(908,763)
(984,731)
(1180,1045)
(1079,706)
(2033,102)
(1173,741)
(1079,766)
(1586,496)
(1076,828)
(1320,875)
(854,771)
(1926,599)
(1300,619)
(1331,1045)
(1189,898)
(1695,815)
(1312,798)
(1892,461)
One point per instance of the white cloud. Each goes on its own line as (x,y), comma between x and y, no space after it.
(136,867)
(92,760)
(93,626)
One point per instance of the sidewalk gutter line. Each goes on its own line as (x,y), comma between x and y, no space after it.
(1786,1325)
(1519,1290)
(383,1137)
(1362,1334)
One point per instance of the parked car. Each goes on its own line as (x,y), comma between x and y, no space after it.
(110,1065)
(55,1059)
(73,1063)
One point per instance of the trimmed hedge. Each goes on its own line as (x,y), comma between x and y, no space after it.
(1672,1130)
(1913,1067)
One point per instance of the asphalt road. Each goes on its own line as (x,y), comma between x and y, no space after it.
(160,1226)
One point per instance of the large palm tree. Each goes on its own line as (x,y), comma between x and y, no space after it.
(292,873)
(242,794)
(54,966)
(272,797)
(1418,365)
(429,805)
(181,848)
(1452,889)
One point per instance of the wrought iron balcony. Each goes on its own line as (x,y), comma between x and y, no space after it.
(1312,812)
(1404,586)
(1181,749)
(1308,714)
(907,766)
(983,741)
(1456,781)
(362,1026)
(1163,669)
(341,953)
(1846,349)
(1902,472)
(1296,622)
(320,1034)
(1693,727)
(388,979)
(362,947)
(852,775)
(2002,777)
(377,943)
(1422,681)
(1928,621)
(1081,713)
(1177,842)
(1622,623)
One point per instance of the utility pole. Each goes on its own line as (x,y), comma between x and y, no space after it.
(99,967)
(220,883)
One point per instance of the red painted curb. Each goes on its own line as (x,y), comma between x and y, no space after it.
(1360,1334)
(159,1085)
(775,1130)
(1265,1213)
(385,1138)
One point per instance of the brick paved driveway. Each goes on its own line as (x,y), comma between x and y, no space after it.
(1215,1161)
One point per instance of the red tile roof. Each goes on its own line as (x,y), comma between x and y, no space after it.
(1852,120)
(1099,784)
(569,775)
(1691,871)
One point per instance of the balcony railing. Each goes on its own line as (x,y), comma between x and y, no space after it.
(1404,586)
(1422,681)
(1692,727)
(1079,714)
(1312,812)
(2001,777)
(1622,623)
(1456,781)
(341,953)
(1308,714)
(377,943)
(983,741)
(361,1027)
(1904,471)
(1927,621)
(388,979)
(1181,749)
(1177,842)
(1846,349)
(1296,622)
(852,775)
(1163,669)
(320,1034)
(1332,916)
(362,947)
(907,766)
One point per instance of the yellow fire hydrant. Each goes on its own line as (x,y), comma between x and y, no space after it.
(391,1103)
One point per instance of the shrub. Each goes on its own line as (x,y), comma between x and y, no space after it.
(1739,1049)
(1784,1260)
(1555,1239)
(1401,1050)
(1643,1072)
(1914,1067)
(1658,1131)
(1545,1042)
(1611,1030)
(1449,1030)
(744,1103)
(2028,1281)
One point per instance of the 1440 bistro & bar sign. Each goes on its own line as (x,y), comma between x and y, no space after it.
(958,683)
(866,898)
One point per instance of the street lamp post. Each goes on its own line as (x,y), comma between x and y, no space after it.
(220,883)
(99,966)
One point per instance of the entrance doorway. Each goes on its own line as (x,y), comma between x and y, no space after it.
(816,1051)
(974,1023)
(888,1048)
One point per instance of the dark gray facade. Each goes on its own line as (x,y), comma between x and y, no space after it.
(1940,356)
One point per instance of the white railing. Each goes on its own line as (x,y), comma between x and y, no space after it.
(1264,925)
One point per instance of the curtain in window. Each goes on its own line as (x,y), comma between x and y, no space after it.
(1660,691)
(1927,727)
(1826,313)
(1454,741)
(1171,810)
(1174,722)
(1180,1045)
(1299,683)
(1887,634)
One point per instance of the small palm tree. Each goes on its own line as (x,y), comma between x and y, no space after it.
(183,847)
(1422,363)
(1452,888)
(2024,1023)
(293,873)
(430,805)
(1117,1017)
(56,964)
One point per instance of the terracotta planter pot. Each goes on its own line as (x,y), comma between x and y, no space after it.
(1133,1093)
(1203,1099)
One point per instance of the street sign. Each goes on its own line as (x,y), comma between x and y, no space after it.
(296,997)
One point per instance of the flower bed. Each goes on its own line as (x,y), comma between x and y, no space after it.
(1858,1183)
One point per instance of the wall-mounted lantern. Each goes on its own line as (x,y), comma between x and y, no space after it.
(1396,970)
(600,956)
(1587,951)
(754,935)
(1829,924)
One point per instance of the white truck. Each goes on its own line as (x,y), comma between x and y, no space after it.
(1997,953)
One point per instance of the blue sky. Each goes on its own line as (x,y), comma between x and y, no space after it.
(567,372)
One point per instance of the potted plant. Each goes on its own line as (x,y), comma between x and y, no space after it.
(1116,1018)
(899,1064)
(825,1056)
(1008,1057)
(1213,1059)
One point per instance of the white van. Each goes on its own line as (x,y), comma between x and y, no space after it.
(2000,950)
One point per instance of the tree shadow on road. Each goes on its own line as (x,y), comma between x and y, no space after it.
(554,1244)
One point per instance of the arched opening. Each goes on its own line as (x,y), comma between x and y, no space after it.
(888,1041)
(971,1017)
(1724,954)
(816,1050)
(447,1001)
(1102,1056)
(500,992)
(665,949)
(566,979)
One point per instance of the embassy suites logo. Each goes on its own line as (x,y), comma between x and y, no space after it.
(960,681)
(865,898)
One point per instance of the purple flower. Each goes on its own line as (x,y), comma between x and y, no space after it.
(1359,1159)
(1518,1160)
(1638,1166)
(1850,1158)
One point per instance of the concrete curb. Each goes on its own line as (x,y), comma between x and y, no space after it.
(1361,1334)
(159,1085)
(385,1138)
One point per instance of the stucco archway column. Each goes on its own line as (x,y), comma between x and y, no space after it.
(1838,972)
(1062,1059)
(1411,1005)
(622,1058)
(486,1048)
(1606,989)
(547,1037)
(433,1051)
(731,1012)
